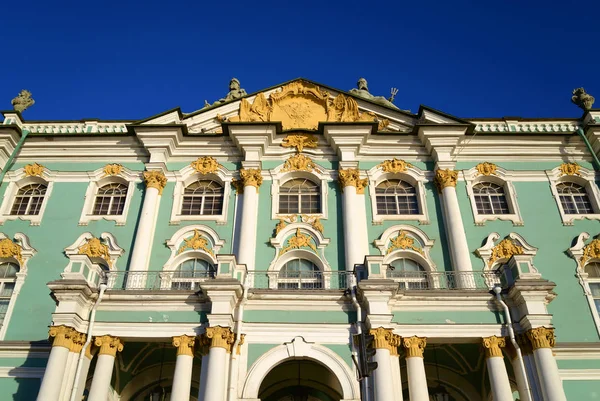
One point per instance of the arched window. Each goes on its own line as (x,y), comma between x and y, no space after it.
(490,198)
(300,274)
(593,271)
(204,197)
(396,197)
(299,195)
(8,277)
(110,200)
(28,200)
(574,198)
(189,274)
(410,274)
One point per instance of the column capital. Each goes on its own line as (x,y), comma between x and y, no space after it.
(445,178)
(109,345)
(492,346)
(524,344)
(185,345)
(541,337)
(386,339)
(90,350)
(251,177)
(350,177)
(155,179)
(77,342)
(63,336)
(220,337)
(414,346)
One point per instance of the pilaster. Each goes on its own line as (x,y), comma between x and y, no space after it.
(224,294)
(529,299)
(377,294)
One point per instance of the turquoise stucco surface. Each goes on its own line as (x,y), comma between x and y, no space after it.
(19,388)
(582,390)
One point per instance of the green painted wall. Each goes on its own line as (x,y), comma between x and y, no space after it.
(151,316)
(582,390)
(448,317)
(255,351)
(19,389)
(298,316)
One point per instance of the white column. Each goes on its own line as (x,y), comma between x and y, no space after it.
(251,180)
(396,375)
(415,368)
(104,366)
(355,217)
(542,341)
(140,256)
(383,379)
(77,342)
(182,378)
(497,373)
(520,374)
(219,339)
(55,369)
(85,368)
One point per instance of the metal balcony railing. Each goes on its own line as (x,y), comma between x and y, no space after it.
(316,280)
(451,280)
(156,280)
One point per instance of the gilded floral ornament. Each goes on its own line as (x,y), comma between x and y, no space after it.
(403,241)
(284,221)
(314,221)
(298,241)
(238,185)
(486,168)
(197,241)
(205,165)
(591,251)
(299,162)
(505,249)
(569,169)
(351,178)
(394,166)
(34,169)
(10,249)
(445,178)
(155,179)
(112,169)
(299,141)
(94,248)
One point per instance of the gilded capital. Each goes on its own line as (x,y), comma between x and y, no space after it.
(385,339)
(351,178)
(109,345)
(445,178)
(414,346)
(541,337)
(524,344)
(63,336)
(251,177)
(90,351)
(77,342)
(492,346)
(185,344)
(155,179)
(220,337)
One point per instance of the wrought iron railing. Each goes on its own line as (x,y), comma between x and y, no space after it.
(156,280)
(314,280)
(450,280)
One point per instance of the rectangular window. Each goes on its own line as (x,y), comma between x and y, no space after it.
(595,288)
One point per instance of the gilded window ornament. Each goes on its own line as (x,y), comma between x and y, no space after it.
(9,248)
(394,166)
(315,222)
(486,168)
(505,249)
(109,345)
(445,178)
(220,337)
(385,339)
(591,251)
(185,345)
(34,169)
(284,221)
(403,241)
(298,241)
(197,241)
(251,177)
(569,169)
(205,165)
(492,346)
(112,169)
(94,248)
(299,162)
(541,337)
(351,178)
(155,179)
(414,346)
(299,141)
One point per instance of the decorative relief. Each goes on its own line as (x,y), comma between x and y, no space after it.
(63,336)
(34,169)
(385,339)
(112,169)
(403,241)
(315,222)
(299,162)
(445,178)
(590,251)
(541,337)
(109,345)
(569,169)
(492,346)
(77,341)
(205,165)
(298,241)
(155,179)
(394,166)
(197,241)
(9,248)
(301,105)
(185,345)
(414,346)
(351,177)
(505,250)
(284,221)
(486,168)
(238,350)
(299,141)
(251,177)
(220,337)
(23,101)
(94,248)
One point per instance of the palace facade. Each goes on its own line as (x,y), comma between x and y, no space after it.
(300,243)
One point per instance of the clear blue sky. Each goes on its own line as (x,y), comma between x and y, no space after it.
(130,60)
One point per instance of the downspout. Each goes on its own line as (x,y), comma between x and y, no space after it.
(513,340)
(92,319)
(364,382)
(589,146)
(231,392)
(11,158)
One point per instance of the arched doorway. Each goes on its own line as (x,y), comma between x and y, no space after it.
(300,380)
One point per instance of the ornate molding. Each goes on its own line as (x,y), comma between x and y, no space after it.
(385,339)
(34,169)
(94,248)
(251,177)
(155,179)
(403,241)
(492,346)
(205,165)
(220,337)
(505,249)
(298,241)
(299,162)
(394,166)
(112,169)
(569,169)
(541,337)
(109,345)
(351,178)
(77,342)
(197,241)
(9,248)
(486,168)
(445,178)
(62,335)
(185,345)
(590,251)
(414,346)
(299,141)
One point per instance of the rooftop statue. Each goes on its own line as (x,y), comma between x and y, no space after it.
(582,99)
(235,92)
(363,91)
(23,101)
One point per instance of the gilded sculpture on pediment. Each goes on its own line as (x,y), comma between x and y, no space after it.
(486,168)
(569,169)
(23,101)
(505,249)
(403,241)
(112,169)
(362,90)
(299,141)
(299,162)
(10,249)
(196,242)
(394,166)
(205,165)
(583,100)
(94,248)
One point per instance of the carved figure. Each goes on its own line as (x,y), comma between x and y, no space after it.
(504,250)
(10,249)
(299,162)
(205,165)
(299,141)
(394,166)
(570,169)
(298,241)
(363,91)
(403,241)
(235,92)
(584,100)
(22,101)
(196,242)
(486,168)
(93,248)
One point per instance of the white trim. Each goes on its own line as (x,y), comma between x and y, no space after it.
(415,177)
(281,238)
(485,252)
(178,238)
(579,374)
(586,180)
(417,234)
(18,182)
(21,372)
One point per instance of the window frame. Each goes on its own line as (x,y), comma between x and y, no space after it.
(91,196)
(577,252)
(10,196)
(190,176)
(586,179)
(319,178)
(299,196)
(194,281)
(203,196)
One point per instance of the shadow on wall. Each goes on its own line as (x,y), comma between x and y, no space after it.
(24,380)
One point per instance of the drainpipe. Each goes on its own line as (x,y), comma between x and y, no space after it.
(11,158)
(587,144)
(365,381)
(92,319)
(231,392)
(513,340)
